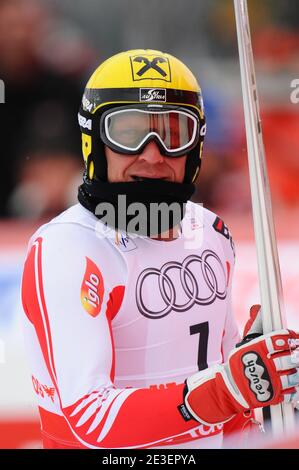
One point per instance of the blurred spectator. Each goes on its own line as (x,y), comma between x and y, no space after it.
(273,25)
(281,131)
(223,183)
(41,72)
(47,184)
(220,24)
(277,55)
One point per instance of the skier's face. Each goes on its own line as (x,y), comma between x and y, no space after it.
(148,164)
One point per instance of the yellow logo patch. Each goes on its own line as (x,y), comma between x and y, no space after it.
(150,67)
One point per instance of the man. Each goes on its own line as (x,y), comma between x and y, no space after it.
(122,311)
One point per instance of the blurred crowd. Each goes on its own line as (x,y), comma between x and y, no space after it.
(46,59)
(275,36)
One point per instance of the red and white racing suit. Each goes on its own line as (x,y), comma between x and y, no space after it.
(114,324)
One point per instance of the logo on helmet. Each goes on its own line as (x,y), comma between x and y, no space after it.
(87,105)
(150,68)
(152,94)
(84,122)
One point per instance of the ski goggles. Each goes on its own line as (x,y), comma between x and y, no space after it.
(128,130)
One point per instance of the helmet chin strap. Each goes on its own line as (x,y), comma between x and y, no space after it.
(147,208)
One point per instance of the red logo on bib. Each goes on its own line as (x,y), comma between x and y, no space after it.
(92,289)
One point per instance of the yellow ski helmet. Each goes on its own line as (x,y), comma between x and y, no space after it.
(137,77)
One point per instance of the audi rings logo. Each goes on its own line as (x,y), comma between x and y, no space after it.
(202,288)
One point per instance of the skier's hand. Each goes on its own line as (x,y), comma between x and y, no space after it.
(259,372)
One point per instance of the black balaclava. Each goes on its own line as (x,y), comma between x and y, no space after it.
(94,196)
